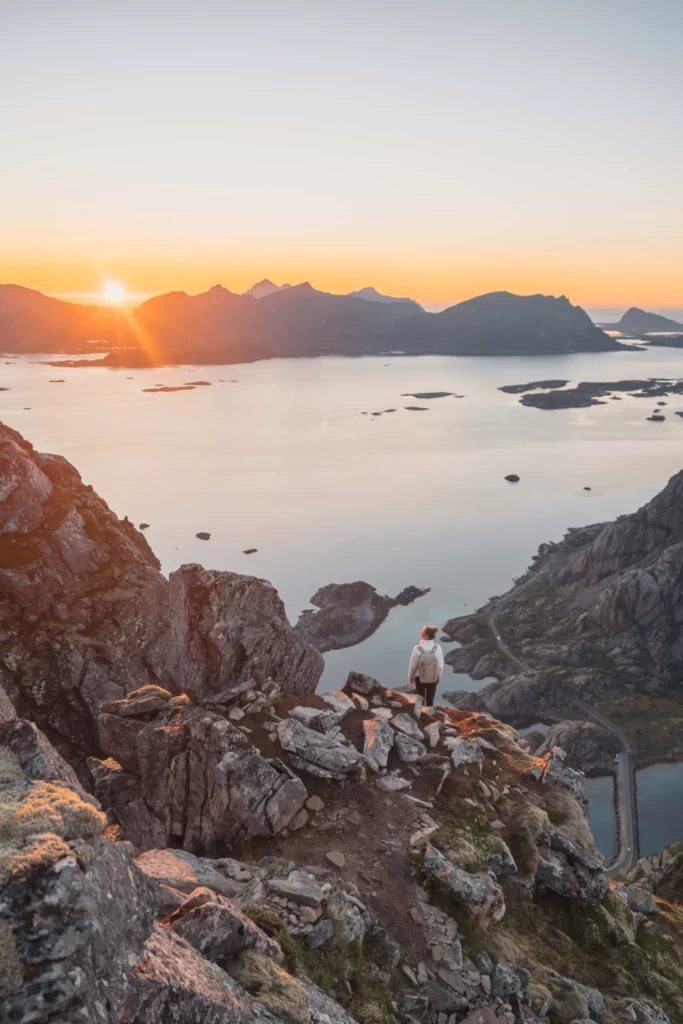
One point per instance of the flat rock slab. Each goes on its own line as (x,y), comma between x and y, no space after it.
(308,716)
(336,858)
(407,725)
(340,703)
(379,740)
(393,783)
(298,888)
(185,872)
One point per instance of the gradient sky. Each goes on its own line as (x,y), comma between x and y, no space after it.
(435,149)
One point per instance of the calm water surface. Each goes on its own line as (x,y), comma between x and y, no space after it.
(603,818)
(277,455)
(659,792)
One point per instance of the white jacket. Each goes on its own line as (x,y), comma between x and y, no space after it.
(415,658)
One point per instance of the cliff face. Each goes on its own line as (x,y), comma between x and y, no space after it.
(87,617)
(602,615)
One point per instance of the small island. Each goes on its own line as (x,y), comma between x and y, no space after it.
(349,613)
(553,394)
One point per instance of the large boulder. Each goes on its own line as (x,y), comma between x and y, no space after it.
(36,757)
(315,753)
(218,930)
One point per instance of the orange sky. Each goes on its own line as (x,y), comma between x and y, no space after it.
(435,150)
(612,278)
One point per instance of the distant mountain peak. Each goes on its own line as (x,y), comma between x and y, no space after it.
(371,294)
(641,321)
(265,287)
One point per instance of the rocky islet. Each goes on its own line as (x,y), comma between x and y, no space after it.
(349,613)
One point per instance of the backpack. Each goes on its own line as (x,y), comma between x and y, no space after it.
(428,666)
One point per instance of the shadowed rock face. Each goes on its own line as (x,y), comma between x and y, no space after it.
(604,618)
(86,617)
(589,747)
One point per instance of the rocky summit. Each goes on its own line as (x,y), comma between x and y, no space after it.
(209,840)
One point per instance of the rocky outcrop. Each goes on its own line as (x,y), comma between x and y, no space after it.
(184,774)
(86,617)
(479,894)
(599,616)
(348,613)
(588,746)
(66,943)
(226,629)
(661,873)
(569,870)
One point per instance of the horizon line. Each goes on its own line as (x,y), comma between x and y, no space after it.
(96,298)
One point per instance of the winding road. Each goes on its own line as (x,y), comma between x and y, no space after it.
(624,776)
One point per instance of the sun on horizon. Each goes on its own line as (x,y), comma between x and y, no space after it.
(113,292)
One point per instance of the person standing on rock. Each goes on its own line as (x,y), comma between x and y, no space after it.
(426,665)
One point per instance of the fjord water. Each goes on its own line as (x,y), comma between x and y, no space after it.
(278,456)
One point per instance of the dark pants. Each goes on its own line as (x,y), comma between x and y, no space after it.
(426,690)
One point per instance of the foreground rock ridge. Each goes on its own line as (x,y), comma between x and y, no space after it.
(598,616)
(248,850)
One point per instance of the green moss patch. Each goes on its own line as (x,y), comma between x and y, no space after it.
(465,841)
